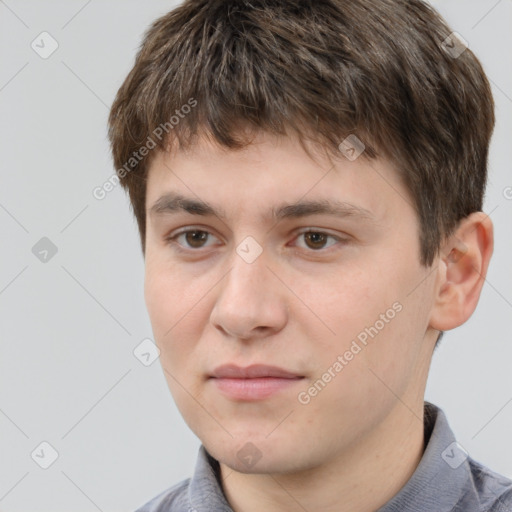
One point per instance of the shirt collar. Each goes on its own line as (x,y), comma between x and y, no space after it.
(441,477)
(205,492)
(437,483)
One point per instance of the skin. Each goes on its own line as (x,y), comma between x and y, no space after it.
(299,306)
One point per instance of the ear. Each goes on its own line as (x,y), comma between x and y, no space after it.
(463,262)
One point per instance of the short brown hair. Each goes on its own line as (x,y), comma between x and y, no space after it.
(322,69)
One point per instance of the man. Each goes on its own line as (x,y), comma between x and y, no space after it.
(308,179)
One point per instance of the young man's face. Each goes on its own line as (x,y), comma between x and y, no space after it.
(344,309)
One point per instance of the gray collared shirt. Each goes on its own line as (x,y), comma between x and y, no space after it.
(446,480)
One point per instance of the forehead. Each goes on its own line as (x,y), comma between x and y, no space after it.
(273,177)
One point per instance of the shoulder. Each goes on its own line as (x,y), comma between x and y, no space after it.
(172,499)
(494,491)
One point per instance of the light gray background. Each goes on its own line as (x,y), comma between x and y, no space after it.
(68,327)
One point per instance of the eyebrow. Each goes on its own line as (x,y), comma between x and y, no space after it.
(174,203)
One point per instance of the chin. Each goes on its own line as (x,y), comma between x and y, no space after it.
(256,454)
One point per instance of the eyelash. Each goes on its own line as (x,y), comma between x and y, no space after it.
(172,239)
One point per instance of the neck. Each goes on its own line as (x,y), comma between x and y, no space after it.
(362,478)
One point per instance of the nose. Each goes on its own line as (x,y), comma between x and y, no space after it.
(251,301)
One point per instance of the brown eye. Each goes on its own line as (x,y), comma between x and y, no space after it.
(195,238)
(192,239)
(315,240)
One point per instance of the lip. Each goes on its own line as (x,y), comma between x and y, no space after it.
(255,371)
(255,382)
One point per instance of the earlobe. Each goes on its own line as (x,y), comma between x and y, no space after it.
(463,262)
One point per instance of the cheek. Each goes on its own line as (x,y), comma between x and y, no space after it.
(160,292)
(177,316)
(170,292)
(346,300)
(369,315)
(173,307)
(391,334)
